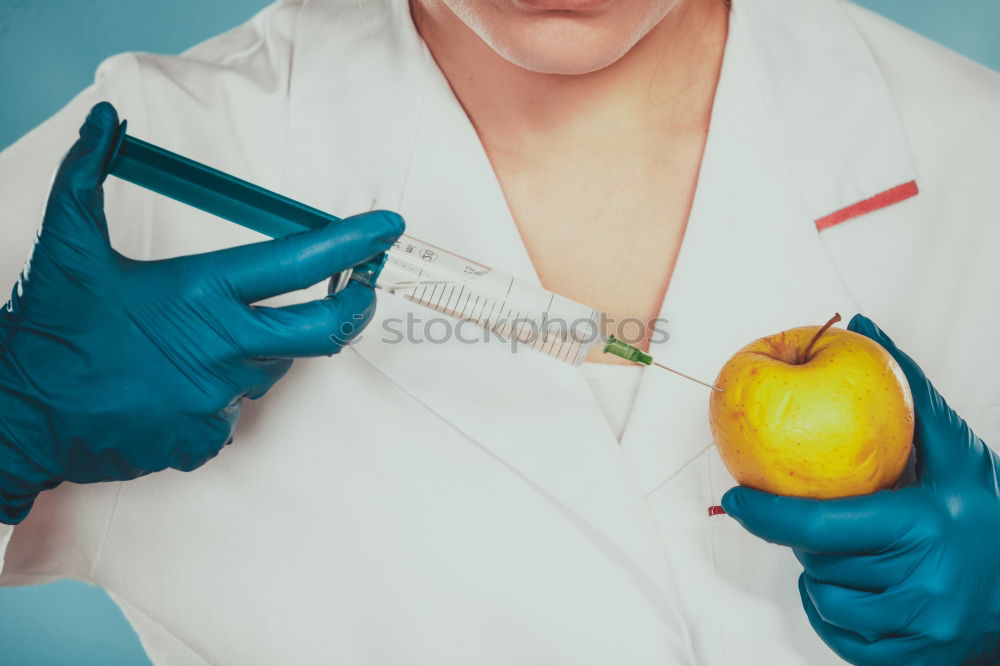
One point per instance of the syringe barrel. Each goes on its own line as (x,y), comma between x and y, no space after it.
(517,311)
(422,273)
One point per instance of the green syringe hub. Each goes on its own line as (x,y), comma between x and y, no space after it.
(626,351)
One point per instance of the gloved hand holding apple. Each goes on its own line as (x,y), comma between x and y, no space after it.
(813,412)
(908,576)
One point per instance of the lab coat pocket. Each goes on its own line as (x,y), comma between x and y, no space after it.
(759,606)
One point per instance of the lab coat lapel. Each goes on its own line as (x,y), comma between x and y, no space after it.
(388,128)
(787,147)
(832,113)
(354,105)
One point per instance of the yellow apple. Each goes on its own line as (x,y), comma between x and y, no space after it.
(813,412)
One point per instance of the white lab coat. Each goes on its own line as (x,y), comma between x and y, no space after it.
(455,503)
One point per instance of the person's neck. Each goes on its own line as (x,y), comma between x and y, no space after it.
(664,85)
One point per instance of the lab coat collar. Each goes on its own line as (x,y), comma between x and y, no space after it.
(358,76)
(367,102)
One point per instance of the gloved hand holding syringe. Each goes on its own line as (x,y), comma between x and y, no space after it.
(418,271)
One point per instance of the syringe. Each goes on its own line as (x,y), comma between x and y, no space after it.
(419,272)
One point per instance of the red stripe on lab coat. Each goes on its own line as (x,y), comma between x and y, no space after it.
(715,511)
(887,198)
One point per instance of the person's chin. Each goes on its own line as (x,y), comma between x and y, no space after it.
(563,5)
(551,50)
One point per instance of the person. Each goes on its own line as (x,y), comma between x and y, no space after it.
(733,169)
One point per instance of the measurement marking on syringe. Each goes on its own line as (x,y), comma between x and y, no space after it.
(518,323)
(465,314)
(459,308)
(445,302)
(552,349)
(499,321)
(506,322)
(557,340)
(513,325)
(423,291)
(510,323)
(564,350)
(550,343)
(458,298)
(573,347)
(439,303)
(432,300)
(463,308)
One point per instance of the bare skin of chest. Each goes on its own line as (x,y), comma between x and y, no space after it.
(599,167)
(607,231)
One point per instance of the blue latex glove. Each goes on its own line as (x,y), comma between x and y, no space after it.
(910,576)
(112,368)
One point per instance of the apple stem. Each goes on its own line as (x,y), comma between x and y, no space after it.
(826,327)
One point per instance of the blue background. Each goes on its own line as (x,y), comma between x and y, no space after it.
(49,50)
